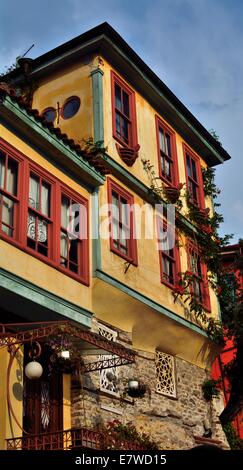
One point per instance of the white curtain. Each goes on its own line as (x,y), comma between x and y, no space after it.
(45,199)
(12,174)
(34,192)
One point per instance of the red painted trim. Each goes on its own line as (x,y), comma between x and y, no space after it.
(132,243)
(188,151)
(206,302)
(159,123)
(25,167)
(115,79)
(176,256)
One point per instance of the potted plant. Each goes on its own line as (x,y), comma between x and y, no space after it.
(172,193)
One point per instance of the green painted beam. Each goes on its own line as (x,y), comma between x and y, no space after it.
(98,111)
(51,139)
(149,302)
(96,244)
(50,302)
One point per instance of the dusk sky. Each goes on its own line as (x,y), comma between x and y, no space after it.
(195,46)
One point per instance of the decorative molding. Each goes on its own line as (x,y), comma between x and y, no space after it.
(98,111)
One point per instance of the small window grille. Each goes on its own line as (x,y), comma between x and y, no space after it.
(165,372)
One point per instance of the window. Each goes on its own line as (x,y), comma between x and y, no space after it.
(42,216)
(166,374)
(169,256)
(194,177)
(122,238)
(73,233)
(123,113)
(199,286)
(108,377)
(70,107)
(9,194)
(167,153)
(49,114)
(39,215)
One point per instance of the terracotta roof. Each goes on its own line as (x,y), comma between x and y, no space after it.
(92,158)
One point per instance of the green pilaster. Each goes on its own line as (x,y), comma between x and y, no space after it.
(96,246)
(98,112)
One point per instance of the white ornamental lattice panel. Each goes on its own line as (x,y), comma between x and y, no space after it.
(165,372)
(108,377)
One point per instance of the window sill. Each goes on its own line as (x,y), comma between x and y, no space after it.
(125,257)
(45,260)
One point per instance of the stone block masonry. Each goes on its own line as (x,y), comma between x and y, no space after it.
(173,423)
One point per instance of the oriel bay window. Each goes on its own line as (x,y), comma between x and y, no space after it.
(167,154)
(123,112)
(9,194)
(122,229)
(42,216)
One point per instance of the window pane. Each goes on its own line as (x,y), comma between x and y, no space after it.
(73,253)
(124,129)
(34,191)
(188,165)
(45,199)
(166,167)
(126,110)
(167,145)
(125,209)
(49,114)
(115,206)
(64,248)
(118,124)
(2,168)
(194,170)
(7,216)
(118,103)
(12,177)
(162,140)
(167,266)
(65,211)
(71,107)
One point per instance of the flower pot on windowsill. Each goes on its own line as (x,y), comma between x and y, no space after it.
(172,193)
(128,154)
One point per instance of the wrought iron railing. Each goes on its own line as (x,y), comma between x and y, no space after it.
(71,439)
(59,440)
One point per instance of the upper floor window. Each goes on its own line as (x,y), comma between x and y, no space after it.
(49,114)
(70,107)
(73,233)
(194,177)
(39,214)
(42,216)
(9,194)
(123,112)
(122,239)
(199,285)
(169,255)
(167,153)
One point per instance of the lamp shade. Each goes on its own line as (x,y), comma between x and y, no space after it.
(133,384)
(33,370)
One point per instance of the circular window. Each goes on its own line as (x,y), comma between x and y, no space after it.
(49,114)
(71,107)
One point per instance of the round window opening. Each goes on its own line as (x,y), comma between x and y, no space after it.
(49,114)
(71,107)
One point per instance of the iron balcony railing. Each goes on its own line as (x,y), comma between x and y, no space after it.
(71,439)
(59,440)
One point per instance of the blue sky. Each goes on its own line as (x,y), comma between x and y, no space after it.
(195,46)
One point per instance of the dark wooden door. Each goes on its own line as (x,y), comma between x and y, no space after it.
(43,399)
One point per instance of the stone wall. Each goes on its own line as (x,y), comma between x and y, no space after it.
(172,423)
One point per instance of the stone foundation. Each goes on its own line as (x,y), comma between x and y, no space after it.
(173,423)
